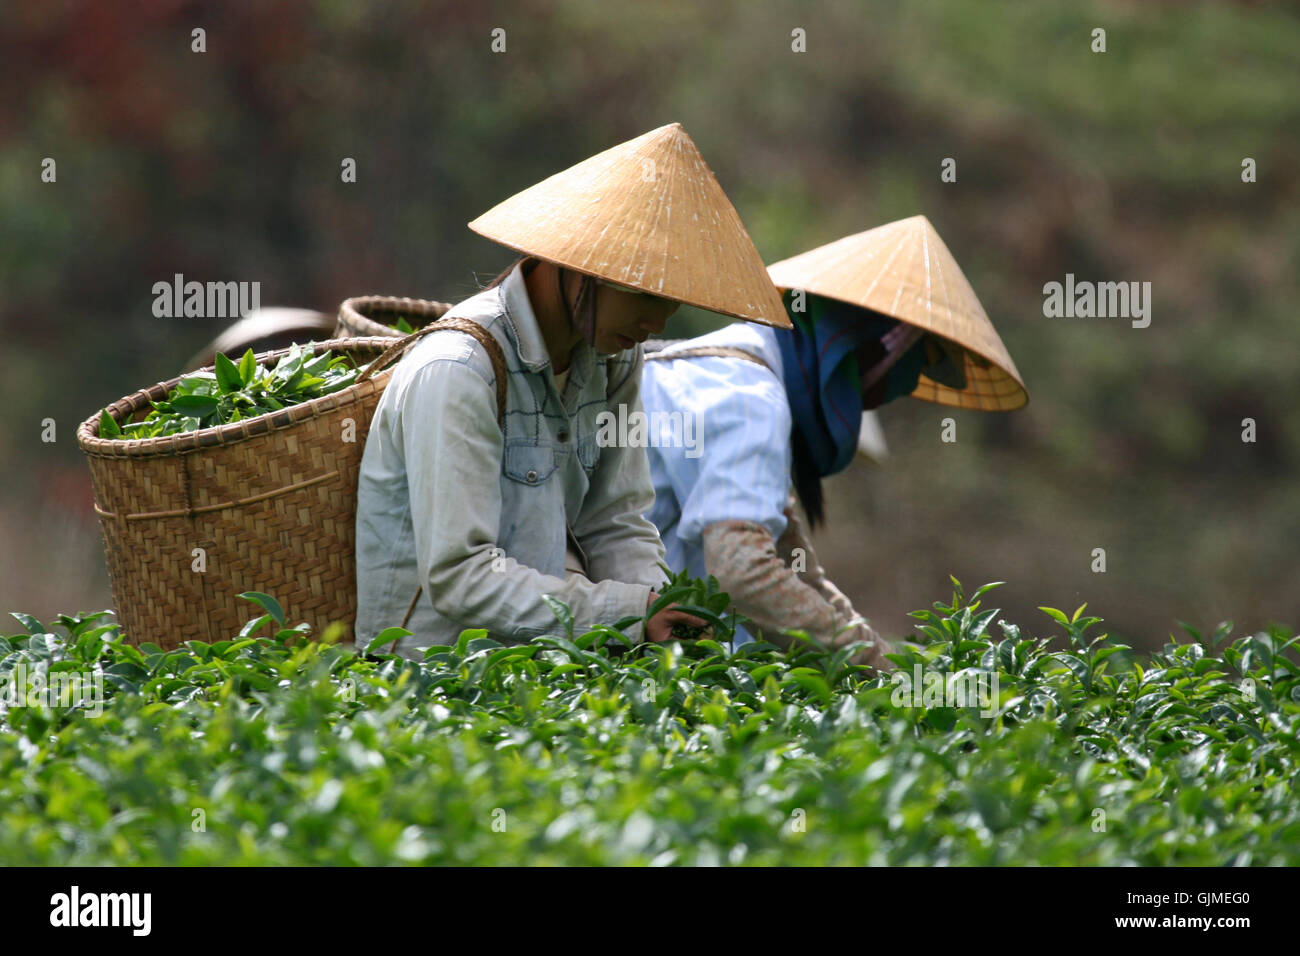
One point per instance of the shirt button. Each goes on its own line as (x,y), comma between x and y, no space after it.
(531,476)
(563,436)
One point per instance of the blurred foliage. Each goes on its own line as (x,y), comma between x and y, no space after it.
(1117,166)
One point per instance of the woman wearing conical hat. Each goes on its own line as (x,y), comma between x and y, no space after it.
(877,315)
(464,523)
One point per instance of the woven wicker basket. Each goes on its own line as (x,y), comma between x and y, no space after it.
(371,315)
(271,501)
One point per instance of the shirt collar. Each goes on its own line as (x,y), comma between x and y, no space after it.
(528,335)
(523,321)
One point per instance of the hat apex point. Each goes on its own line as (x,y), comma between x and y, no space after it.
(700,255)
(904,269)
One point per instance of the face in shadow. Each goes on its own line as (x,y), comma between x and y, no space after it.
(625,317)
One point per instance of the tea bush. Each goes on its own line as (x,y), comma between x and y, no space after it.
(575,749)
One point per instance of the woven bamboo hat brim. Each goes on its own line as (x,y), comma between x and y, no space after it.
(646,214)
(904,270)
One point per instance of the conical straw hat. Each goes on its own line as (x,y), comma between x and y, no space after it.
(646,214)
(904,270)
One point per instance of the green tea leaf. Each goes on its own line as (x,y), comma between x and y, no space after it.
(561,612)
(268,603)
(194,403)
(229,378)
(108,427)
(389,635)
(248,368)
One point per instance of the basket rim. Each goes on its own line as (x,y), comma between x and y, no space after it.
(359,311)
(360,325)
(90,442)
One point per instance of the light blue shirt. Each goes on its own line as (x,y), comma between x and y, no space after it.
(739,469)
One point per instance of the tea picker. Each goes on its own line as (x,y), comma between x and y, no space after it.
(482,464)
(876,316)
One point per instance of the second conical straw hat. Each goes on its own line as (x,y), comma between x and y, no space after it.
(646,214)
(904,270)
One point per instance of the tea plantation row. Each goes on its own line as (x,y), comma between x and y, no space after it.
(575,750)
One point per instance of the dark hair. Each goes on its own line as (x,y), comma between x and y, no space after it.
(807,480)
(501,276)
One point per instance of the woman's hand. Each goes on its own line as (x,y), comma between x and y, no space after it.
(660,627)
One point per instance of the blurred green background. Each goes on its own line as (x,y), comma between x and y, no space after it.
(1123,165)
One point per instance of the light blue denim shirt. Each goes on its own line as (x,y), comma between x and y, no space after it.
(478,516)
(740,470)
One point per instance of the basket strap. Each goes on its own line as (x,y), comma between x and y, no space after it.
(409,611)
(488,341)
(721,351)
(456,324)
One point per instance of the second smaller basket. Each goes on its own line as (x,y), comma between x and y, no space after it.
(370,315)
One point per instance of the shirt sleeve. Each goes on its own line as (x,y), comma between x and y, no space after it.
(744,559)
(740,470)
(446,419)
(619,542)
